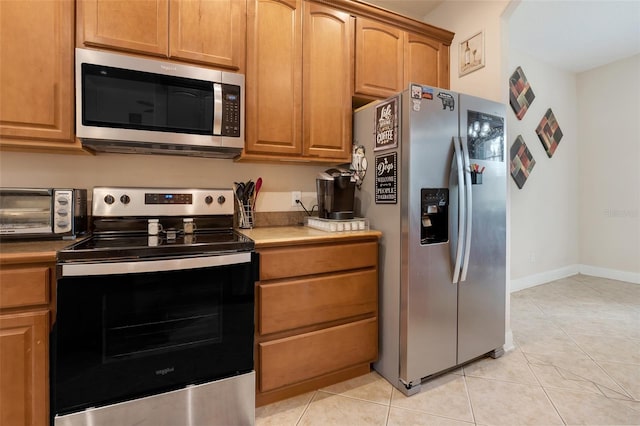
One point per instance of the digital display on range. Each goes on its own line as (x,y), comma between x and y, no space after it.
(151,198)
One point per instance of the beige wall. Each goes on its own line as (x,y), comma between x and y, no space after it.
(609,132)
(466,18)
(544,213)
(55,170)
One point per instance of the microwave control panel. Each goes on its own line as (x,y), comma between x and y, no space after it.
(230,110)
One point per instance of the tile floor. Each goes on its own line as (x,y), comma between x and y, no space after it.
(576,362)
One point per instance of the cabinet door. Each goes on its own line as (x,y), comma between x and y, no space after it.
(209,32)
(274,77)
(426,61)
(379,59)
(327,77)
(24,353)
(136,26)
(36,53)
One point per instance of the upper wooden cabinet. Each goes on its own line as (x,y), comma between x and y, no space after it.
(36,80)
(327,88)
(210,32)
(388,59)
(298,82)
(201,31)
(426,61)
(379,58)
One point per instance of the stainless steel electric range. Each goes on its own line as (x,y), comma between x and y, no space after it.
(155,313)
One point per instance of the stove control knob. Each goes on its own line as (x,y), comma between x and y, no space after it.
(208,199)
(125,199)
(109,199)
(221,199)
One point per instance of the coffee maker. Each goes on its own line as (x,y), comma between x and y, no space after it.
(336,191)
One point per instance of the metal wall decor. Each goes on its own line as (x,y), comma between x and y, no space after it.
(520,93)
(549,132)
(522,161)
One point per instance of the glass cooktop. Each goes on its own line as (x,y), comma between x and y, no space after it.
(112,247)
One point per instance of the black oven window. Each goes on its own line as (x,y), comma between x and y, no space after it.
(148,318)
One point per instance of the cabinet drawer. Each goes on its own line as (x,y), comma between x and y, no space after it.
(299,303)
(24,287)
(294,359)
(298,261)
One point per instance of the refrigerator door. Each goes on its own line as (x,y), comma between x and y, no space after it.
(481,294)
(428,309)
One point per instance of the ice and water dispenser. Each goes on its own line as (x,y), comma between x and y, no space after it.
(434,226)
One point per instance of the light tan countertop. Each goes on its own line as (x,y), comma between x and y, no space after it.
(12,252)
(292,235)
(15,252)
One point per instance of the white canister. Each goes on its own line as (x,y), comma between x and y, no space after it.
(153,226)
(188,226)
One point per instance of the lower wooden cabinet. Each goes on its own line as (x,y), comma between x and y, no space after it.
(305,356)
(24,345)
(24,380)
(316,316)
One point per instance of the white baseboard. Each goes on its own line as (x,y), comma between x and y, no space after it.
(544,277)
(612,274)
(567,271)
(508,341)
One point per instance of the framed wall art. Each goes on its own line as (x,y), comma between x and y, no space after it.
(471,54)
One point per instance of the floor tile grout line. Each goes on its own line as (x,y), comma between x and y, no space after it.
(353,398)
(466,389)
(306,407)
(553,405)
(615,381)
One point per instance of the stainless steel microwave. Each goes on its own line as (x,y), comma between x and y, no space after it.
(42,213)
(130,104)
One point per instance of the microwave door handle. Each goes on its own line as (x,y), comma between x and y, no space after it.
(217,108)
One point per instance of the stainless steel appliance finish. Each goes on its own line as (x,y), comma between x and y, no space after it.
(443,259)
(128,104)
(155,328)
(42,213)
(228,401)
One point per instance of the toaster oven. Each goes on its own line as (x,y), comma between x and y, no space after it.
(35,213)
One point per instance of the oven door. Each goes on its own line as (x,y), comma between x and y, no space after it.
(125,330)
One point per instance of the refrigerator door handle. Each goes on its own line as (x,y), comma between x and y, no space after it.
(457,148)
(469,206)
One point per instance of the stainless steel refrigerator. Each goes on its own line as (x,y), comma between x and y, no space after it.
(435,185)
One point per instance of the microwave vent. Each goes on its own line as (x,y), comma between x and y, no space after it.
(149,148)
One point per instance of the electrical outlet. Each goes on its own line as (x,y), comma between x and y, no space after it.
(295,196)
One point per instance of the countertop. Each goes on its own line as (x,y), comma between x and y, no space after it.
(13,252)
(292,235)
(31,251)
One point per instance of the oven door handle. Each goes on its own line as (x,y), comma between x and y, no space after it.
(158,265)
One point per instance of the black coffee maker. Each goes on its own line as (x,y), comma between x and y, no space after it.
(336,191)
